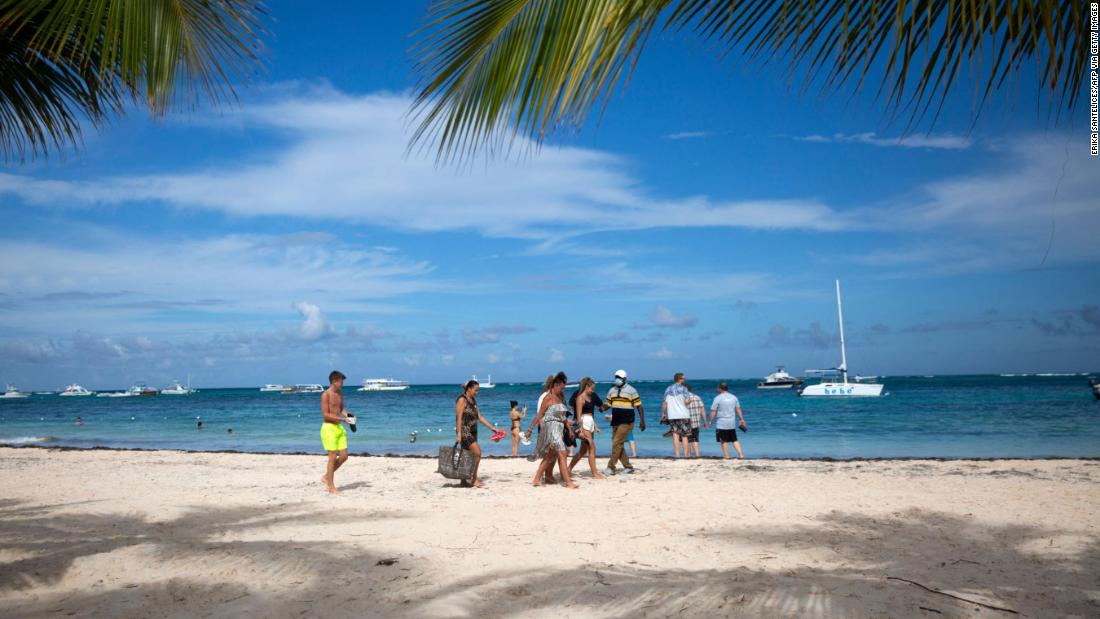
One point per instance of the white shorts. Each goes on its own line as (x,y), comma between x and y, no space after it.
(588,423)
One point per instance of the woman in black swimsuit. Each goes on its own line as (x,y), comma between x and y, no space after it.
(467,416)
(585,402)
(516,415)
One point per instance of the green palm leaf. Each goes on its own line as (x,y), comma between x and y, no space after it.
(65,62)
(494,69)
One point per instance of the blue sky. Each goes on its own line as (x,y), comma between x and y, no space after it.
(697,225)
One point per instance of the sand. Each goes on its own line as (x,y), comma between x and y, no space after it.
(169,534)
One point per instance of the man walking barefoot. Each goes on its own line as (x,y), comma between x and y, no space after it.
(675,408)
(333,437)
(722,416)
(698,412)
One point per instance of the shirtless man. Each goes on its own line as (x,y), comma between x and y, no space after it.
(333,437)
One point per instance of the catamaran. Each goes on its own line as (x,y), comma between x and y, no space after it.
(273,387)
(383,384)
(841,388)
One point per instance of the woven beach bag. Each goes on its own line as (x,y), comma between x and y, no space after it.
(455,462)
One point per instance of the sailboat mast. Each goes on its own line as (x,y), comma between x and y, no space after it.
(840,318)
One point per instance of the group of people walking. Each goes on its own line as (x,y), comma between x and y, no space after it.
(564,422)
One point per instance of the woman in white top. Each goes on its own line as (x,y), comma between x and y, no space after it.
(584,406)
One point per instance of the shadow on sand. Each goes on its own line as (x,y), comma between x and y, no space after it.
(1035,570)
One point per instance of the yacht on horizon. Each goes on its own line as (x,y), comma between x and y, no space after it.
(383,384)
(13,393)
(779,379)
(75,390)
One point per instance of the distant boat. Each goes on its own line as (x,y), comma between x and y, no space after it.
(383,384)
(303,388)
(13,393)
(273,387)
(178,389)
(779,379)
(488,384)
(113,394)
(1095,384)
(842,388)
(74,390)
(142,389)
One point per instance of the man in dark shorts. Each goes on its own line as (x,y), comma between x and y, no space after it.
(724,412)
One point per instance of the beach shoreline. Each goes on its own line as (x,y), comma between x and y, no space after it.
(103,532)
(707,457)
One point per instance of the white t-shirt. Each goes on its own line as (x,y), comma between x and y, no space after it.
(725,406)
(677,408)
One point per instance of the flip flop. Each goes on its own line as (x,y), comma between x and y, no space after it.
(499,434)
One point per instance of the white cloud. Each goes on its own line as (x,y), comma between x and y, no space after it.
(1040,195)
(664,318)
(662,353)
(556,356)
(124,283)
(945,141)
(344,158)
(315,326)
(688,135)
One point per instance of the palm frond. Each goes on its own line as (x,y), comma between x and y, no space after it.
(494,69)
(169,53)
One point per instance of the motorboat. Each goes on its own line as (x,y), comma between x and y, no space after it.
(177,389)
(75,390)
(779,379)
(13,393)
(142,389)
(488,384)
(273,387)
(383,384)
(113,394)
(1095,384)
(304,388)
(829,386)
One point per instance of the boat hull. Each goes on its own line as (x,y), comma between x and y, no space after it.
(842,390)
(779,385)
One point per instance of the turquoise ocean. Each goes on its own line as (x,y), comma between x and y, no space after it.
(936,417)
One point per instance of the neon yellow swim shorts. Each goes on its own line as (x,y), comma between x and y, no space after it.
(333,436)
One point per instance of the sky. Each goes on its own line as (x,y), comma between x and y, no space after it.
(696,224)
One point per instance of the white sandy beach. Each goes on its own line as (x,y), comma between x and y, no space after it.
(154,534)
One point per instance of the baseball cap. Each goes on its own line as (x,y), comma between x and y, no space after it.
(620,374)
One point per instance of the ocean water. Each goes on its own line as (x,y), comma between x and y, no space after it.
(941,417)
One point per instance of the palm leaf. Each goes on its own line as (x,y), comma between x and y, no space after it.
(77,60)
(492,70)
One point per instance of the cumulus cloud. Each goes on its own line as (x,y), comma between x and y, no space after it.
(663,318)
(813,336)
(315,326)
